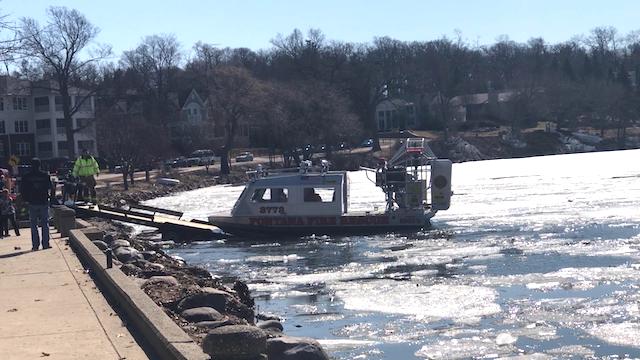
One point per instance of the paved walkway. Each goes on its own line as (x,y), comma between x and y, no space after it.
(50,307)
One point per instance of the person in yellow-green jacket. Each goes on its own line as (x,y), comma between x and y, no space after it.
(86,168)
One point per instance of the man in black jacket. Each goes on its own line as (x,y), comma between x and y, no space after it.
(37,189)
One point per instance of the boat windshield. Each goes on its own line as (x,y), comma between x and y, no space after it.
(270,195)
(320,194)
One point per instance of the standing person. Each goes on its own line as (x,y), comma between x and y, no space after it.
(37,189)
(7,213)
(86,167)
(5,203)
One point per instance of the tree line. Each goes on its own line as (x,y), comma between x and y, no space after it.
(308,89)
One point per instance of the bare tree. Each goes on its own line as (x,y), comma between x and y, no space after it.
(306,113)
(235,97)
(8,42)
(154,63)
(59,51)
(207,57)
(129,140)
(154,59)
(603,40)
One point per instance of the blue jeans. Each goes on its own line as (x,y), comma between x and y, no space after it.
(39,212)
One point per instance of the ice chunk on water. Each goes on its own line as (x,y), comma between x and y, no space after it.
(536,356)
(626,333)
(274,258)
(342,344)
(544,286)
(506,339)
(576,351)
(459,302)
(464,349)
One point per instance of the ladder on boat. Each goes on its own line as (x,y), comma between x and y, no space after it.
(168,222)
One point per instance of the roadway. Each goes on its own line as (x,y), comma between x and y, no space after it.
(108,179)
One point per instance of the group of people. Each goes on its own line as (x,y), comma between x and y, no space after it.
(39,191)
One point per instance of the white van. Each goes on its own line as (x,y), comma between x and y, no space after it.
(204,157)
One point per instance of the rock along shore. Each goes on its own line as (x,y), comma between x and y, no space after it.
(218,314)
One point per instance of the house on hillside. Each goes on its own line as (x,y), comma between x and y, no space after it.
(199,125)
(32,122)
(482,108)
(490,107)
(190,127)
(395,115)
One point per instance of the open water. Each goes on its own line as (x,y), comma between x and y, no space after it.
(542,260)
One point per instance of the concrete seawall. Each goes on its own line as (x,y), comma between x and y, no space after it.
(166,338)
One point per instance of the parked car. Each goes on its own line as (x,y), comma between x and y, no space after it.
(65,170)
(367,143)
(204,157)
(193,161)
(54,164)
(244,156)
(168,163)
(179,162)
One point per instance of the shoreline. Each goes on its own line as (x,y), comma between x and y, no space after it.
(204,306)
(115,195)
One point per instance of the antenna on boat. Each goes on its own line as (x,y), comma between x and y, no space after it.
(305,166)
(324,166)
(258,173)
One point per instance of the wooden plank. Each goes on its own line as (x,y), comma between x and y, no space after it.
(187,224)
(157,210)
(189,229)
(198,221)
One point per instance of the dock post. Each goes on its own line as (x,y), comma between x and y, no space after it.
(65,220)
(109,258)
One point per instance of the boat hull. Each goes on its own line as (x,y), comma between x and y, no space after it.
(321,225)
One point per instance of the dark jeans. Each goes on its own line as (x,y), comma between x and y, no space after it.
(88,192)
(4,224)
(41,213)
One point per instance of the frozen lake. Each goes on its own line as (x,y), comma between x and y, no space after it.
(543,261)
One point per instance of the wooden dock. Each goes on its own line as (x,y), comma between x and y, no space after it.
(168,222)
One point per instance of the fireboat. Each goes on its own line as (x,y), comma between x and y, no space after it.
(312,200)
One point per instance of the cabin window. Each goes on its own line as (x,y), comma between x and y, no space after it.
(270,195)
(319,194)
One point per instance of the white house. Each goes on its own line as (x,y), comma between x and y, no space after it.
(395,114)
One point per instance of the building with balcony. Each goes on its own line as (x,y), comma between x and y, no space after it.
(32,122)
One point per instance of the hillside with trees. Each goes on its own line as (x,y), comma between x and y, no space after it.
(304,88)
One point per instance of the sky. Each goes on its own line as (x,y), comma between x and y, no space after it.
(253,23)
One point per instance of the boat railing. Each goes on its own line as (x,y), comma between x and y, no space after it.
(305,168)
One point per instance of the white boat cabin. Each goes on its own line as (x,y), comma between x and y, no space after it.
(294,194)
